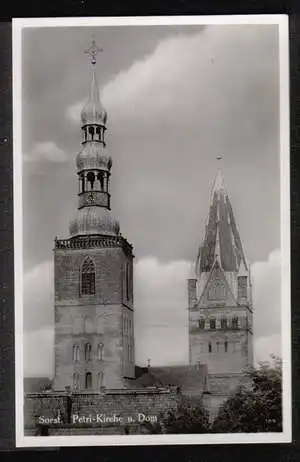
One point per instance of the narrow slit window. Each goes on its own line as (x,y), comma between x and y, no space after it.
(212,323)
(235,322)
(88,380)
(76,353)
(100,351)
(201,323)
(88,352)
(223,323)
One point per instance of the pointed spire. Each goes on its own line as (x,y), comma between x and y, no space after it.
(218,186)
(93,112)
(217,256)
(222,241)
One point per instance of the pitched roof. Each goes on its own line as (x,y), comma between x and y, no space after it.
(222,240)
(186,377)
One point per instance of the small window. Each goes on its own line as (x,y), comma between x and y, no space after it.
(242,286)
(76,380)
(88,277)
(88,352)
(226,346)
(88,380)
(209,348)
(212,323)
(218,347)
(100,379)
(91,132)
(76,353)
(201,323)
(91,179)
(223,323)
(235,322)
(100,352)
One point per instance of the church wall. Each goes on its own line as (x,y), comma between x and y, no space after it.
(220,361)
(94,325)
(124,404)
(109,273)
(94,319)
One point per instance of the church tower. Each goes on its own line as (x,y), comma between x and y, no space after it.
(94,334)
(219,299)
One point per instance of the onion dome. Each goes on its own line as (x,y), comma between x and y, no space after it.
(91,157)
(93,112)
(94,220)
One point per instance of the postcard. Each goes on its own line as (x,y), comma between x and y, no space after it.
(151,226)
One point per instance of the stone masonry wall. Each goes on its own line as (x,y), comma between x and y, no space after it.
(80,412)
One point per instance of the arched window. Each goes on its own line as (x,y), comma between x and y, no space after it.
(81,183)
(88,277)
(91,132)
(91,179)
(88,380)
(100,178)
(201,323)
(76,380)
(98,131)
(223,323)
(100,352)
(212,323)
(88,352)
(209,348)
(226,346)
(235,322)
(76,353)
(242,286)
(218,347)
(100,379)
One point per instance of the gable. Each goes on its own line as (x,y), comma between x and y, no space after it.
(217,290)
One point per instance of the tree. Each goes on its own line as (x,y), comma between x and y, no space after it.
(257,405)
(189,417)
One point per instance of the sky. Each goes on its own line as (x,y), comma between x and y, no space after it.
(177,97)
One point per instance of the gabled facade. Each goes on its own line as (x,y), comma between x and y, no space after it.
(220,299)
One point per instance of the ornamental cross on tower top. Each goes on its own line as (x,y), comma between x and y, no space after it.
(93,51)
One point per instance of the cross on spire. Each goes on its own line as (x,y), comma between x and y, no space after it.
(93,51)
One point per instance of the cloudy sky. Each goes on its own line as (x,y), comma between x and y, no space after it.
(176,98)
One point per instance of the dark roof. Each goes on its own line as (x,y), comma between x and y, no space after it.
(36,384)
(221,226)
(187,377)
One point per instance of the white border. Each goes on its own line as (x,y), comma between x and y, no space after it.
(130,440)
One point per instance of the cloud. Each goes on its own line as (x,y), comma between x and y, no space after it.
(46,151)
(39,296)
(267,295)
(39,352)
(161,315)
(266,346)
(196,75)
(73,112)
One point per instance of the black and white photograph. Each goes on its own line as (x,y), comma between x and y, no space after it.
(151,230)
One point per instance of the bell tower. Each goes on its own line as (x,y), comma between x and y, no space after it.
(94,322)
(220,298)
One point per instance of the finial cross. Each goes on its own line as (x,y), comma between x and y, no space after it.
(93,51)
